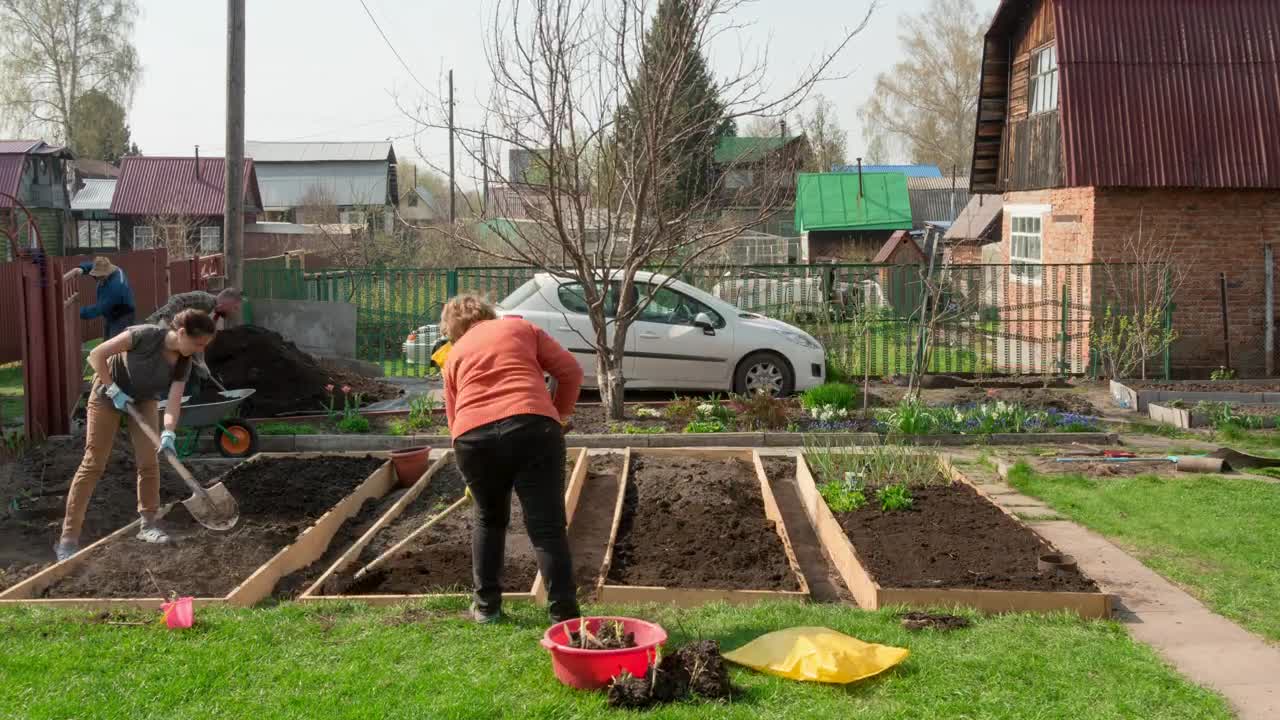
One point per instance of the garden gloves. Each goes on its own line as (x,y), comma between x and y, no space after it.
(117,396)
(167,443)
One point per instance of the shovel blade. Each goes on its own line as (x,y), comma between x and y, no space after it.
(215,508)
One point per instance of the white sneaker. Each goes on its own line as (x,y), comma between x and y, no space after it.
(151,533)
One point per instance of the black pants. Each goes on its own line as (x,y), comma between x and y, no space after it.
(525,453)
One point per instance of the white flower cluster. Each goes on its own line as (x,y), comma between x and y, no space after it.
(829,413)
(645,412)
(705,409)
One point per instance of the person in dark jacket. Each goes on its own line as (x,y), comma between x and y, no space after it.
(115,298)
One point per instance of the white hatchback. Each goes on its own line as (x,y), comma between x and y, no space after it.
(686,339)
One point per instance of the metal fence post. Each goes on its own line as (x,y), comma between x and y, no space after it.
(451,285)
(1063,363)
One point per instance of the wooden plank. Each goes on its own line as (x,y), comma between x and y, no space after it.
(842,553)
(313,542)
(1090,606)
(265,575)
(391,514)
(691,597)
(772,512)
(577,478)
(617,520)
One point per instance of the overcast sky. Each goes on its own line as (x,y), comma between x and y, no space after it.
(318,69)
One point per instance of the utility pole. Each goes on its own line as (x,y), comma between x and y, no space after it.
(453,212)
(233,188)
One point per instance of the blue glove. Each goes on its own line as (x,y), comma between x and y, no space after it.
(118,397)
(167,439)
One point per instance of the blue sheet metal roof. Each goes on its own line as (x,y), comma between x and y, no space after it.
(908,170)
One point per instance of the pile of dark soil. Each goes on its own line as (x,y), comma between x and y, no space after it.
(610,636)
(33,501)
(933,621)
(593,519)
(286,379)
(440,560)
(1209,386)
(697,523)
(696,669)
(1035,399)
(279,498)
(952,537)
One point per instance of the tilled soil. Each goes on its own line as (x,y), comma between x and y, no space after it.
(279,498)
(285,378)
(33,501)
(1209,386)
(593,519)
(697,523)
(1066,401)
(440,560)
(952,537)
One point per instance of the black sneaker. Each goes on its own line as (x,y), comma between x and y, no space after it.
(484,618)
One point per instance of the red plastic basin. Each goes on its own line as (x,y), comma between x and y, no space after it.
(593,669)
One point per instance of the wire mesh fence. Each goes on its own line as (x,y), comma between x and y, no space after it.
(880,320)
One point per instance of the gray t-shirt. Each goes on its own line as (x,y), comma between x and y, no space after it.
(142,371)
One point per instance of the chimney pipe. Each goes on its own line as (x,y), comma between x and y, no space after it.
(197,162)
(859,177)
(782,128)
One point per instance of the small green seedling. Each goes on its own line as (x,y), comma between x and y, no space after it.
(894,497)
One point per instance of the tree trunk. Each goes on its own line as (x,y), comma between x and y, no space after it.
(610,380)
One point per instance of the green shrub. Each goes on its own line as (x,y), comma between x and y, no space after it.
(628,429)
(704,426)
(354,425)
(832,394)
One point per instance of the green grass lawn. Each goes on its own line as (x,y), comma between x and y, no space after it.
(297,661)
(11,392)
(1219,537)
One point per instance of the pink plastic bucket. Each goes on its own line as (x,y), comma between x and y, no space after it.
(179,614)
(593,669)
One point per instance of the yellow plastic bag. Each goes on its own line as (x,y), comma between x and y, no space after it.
(439,356)
(816,654)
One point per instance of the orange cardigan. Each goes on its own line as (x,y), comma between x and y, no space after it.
(496,371)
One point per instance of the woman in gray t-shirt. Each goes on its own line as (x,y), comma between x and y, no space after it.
(138,366)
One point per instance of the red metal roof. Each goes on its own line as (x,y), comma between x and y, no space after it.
(172,186)
(1170,93)
(17,146)
(10,177)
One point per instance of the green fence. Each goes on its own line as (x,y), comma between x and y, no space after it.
(984,319)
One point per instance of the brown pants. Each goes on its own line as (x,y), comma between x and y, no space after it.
(99,437)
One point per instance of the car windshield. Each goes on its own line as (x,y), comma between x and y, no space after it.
(519,295)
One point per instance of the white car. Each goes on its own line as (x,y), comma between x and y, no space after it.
(685,339)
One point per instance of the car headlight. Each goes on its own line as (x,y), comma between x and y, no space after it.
(798,338)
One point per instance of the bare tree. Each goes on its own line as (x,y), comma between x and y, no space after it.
(177,234)
(827,139)
(561,70)
(1139,283)
(56,51)
(926,106)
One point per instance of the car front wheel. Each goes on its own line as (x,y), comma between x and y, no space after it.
(764,371)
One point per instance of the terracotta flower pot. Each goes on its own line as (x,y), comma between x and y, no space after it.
(410,463)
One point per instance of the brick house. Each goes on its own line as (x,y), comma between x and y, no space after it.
(177,202)
(1097,116)
(35,174)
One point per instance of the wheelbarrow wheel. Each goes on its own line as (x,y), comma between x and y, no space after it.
(237,439)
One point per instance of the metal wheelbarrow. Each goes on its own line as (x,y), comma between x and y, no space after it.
(234,436)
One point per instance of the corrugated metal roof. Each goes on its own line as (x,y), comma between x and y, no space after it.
(749,149)
(272,152)
(17,146)
(908,170)
(289,185)
(937,183)
(977,220)
(936,206)
(96,168)
(830,201)
(171,186)
(95,195)
(11,167)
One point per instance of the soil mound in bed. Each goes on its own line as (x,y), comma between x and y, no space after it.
(697,523)
(952,537)
(286,379)
(279,498)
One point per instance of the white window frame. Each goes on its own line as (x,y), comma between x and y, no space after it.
(1042,84)
(1026,224)
(144,237)
(98,234)
(210,239)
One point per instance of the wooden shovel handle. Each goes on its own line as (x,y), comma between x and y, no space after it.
(422,529)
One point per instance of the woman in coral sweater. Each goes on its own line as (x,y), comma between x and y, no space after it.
(508,434)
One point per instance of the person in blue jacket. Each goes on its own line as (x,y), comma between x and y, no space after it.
(115,297)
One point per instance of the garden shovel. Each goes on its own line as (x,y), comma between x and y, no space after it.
(212,507)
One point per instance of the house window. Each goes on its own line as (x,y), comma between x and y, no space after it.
(1044,80)
(737,179)
(98,234)
(1026,254)
(210,239)
(144,238)
(352,217)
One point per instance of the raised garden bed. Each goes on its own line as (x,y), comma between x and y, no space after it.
(1197,416)
(952,547)
(693,526)
(437,563)
(1137,395)
(290,509)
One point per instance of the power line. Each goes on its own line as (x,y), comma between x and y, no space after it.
(395,52)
